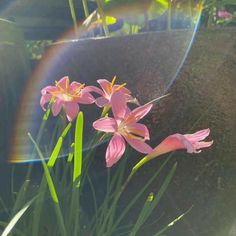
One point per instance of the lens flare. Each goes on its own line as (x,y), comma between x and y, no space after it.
(146,45)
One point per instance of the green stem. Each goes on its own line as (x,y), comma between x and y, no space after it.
(85,6)
(103,16)
(114,203)
(73,15)
(51,189)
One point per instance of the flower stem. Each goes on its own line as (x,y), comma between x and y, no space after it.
(85,6)
(103,17)
(73,15)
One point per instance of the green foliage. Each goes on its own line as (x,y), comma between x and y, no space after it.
(60,211)
(36,48)
(213,6)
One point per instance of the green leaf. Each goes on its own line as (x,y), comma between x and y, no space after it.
(78,148)
(149,206)
(164,3)
(55,153)
(57,148)
(160,233)
(46,171)
(21,196)
(66,130)
(16,218)
(138,195)
(51,188)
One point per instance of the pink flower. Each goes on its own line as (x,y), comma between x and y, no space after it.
(67,96)
(224,14)
(108,89)
(124,126)
(192,142)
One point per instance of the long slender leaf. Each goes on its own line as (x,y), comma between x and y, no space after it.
(16,231)
(46,171)
(55,153)
(51,189)
(73,15)
(149,206)
(167,227)
(20,196)
(138,195)
(16,218)
(57,148)
(78,148)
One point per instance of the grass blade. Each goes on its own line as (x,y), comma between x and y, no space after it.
(149,206)
(46,171)
(51,188)
(138,195)
(16,218)
(57,148)
(73,15)
(17,232)
(78,148)
(55,153)
(160,233)
(20,196)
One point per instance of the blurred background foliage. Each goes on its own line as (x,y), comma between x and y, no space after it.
(216,13)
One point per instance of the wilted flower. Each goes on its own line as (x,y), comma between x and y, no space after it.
(67,96)
(192,142)
(125,127)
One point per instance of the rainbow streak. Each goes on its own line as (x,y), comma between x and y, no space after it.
(27,119)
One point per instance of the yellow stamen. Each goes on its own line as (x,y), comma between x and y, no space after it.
(121,86)
(79,88)
(130,135)
(58,86)
(67,83)
(113,81)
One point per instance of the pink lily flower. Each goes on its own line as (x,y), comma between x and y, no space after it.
(107,91)
(124,126)
(67,96)
(192,142)
(224,14)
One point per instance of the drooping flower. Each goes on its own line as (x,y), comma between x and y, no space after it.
(107,91)
(124,126)
(67,96)
(192,142)
(224,14)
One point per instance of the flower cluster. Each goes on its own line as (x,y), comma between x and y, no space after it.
(124,124)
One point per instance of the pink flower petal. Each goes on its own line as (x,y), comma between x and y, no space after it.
(115,150)
(140,112)
(49,89)
(179,141)
(198,136)
(101,102)
(140,130)
(118,104)
(72,110)
(169,144)
(85,98)
(45,99)
(121,89)
(64,82)
(200,145)
(105,85)
(138,145)
(74,86)
(56,107)
(105,124)
(93,89)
